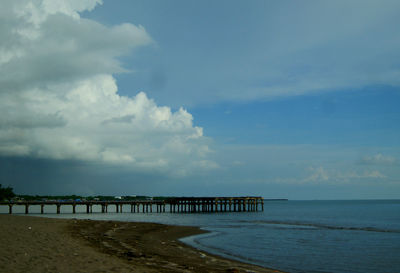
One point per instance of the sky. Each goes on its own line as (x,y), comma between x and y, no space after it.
(280,99)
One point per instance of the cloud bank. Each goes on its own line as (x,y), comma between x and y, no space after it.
(59,99)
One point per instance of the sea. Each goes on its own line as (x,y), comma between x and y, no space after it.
(357,236)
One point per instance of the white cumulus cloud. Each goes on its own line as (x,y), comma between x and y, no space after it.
(322,175)
(378,159)
(59,100)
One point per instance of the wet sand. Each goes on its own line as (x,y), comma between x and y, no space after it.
(35,244)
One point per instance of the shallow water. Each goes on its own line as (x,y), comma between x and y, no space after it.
(294,236)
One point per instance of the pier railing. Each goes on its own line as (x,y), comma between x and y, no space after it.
(171,204)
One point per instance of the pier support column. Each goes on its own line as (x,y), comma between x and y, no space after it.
(131,208)
(103,208)
(74,208)
(116,208)
(10,209)
(58,209)
(87,208)
(41,208)
(26,208)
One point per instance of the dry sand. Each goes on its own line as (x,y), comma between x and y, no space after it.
(35,244)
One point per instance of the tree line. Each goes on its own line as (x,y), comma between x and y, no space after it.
(6,193)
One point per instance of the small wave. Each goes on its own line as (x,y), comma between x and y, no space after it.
(298,225)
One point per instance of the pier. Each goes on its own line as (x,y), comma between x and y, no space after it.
(170,204)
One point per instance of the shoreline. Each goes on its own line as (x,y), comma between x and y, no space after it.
(40,244)
(191,241)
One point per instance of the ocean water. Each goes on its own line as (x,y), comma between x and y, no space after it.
(293,236)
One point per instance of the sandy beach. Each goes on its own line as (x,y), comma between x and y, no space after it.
(35,244)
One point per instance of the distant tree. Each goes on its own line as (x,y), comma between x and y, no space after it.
(6,193)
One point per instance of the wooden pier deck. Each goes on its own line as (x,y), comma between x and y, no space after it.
(171,204)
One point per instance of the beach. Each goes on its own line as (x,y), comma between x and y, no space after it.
(36,244)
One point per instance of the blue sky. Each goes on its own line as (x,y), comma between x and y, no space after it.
(200,49)
(281,99)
